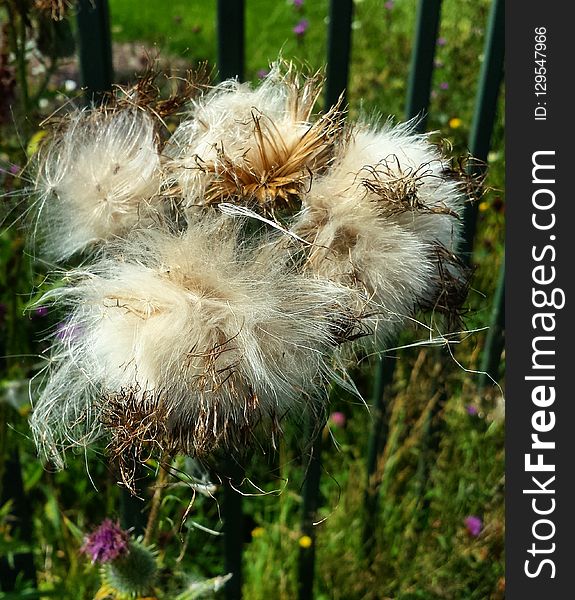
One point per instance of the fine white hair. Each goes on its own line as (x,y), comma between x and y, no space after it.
(195,322)
(98,176)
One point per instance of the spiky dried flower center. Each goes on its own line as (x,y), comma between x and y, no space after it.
(275,171)
(398,187)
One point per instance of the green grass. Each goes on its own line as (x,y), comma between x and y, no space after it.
(422,549)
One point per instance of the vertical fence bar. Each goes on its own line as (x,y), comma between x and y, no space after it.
(495,340)
(95,43)
(306,562)
(230,29)
(231,34)
(417,103)
(20,567)
(133,508)
(338,50)
(479,145)
(93,19)
(337,73)
(233,528)
(377,439)
(421,69)
(485,111)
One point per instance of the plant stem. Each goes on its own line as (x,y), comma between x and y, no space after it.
(17,29)
(156,501)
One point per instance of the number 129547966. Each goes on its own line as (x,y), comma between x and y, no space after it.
(540,73)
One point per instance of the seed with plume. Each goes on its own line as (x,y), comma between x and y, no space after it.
(383,219)
(189,342)
(98,176)
(200,339)
(255,147)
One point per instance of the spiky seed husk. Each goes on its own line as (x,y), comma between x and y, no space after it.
(132,575)
(255,147)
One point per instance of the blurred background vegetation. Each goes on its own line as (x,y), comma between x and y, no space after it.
(438,530)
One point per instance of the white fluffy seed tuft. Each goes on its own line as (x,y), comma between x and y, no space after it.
(97,177)
(196,324)
(376,219)
(191,330)
(254,146)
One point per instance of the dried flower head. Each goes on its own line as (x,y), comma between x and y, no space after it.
(98,176)
(255,147)
(187,335)
(188,342)
(380,219)
(146,93)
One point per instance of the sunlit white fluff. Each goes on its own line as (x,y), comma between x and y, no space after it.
(375,219)
(254,145)
(97,177)
(398,152)
(223,341)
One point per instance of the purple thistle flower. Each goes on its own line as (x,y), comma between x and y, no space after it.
(297,4)
(262,73)
(441,41)
(444,85)
(338,419)
(474,525)
(301,28)
(14,169)
(389,5)
(106,543)
(471,410)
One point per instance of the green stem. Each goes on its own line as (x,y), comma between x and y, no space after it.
(156,502)
(17,33)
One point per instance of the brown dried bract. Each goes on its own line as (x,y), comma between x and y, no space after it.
(138,425)
(56,8)
(452,284)
(397,188)
(470,173)
(276,173)
(146,92)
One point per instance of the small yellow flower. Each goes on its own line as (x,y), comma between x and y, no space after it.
(258,532)
(483,206)
(455,123)
(305,541)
